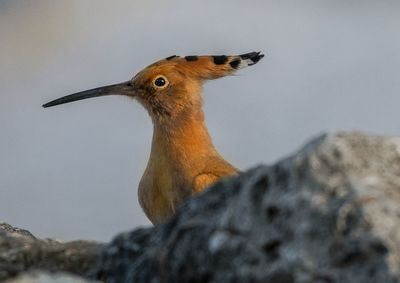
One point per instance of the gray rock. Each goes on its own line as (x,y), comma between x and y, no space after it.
(21,251)
(42,277)
(329,213)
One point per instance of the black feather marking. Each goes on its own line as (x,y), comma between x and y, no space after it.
(250,55)
(191,58)
(171,57)
(235,63)
(253,56)
(220,60)
(256,59)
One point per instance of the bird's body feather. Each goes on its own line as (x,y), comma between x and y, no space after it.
(183,160)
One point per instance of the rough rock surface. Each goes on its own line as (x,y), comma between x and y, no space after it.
(329,213)
(21,251)
(42,277)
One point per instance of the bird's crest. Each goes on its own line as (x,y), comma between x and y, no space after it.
(211,66)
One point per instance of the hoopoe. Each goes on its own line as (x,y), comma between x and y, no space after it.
(183,160)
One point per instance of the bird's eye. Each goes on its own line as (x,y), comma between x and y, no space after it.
(160,82)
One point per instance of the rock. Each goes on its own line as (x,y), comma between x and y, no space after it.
(329,213)
(21,251)
(42,277)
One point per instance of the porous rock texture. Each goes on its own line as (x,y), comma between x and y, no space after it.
(329,213)
(20,251)
(45,277)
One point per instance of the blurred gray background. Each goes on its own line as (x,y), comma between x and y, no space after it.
(72,171)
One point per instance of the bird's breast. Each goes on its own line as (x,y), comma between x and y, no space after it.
(162,189)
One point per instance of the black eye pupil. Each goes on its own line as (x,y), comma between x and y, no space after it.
(159,82)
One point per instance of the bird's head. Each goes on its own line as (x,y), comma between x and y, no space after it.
(171,87)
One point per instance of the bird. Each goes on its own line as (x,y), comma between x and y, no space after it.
(183,159)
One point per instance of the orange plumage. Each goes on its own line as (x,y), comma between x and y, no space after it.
(183,160)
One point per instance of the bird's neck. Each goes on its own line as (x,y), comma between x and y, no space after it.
(185,138)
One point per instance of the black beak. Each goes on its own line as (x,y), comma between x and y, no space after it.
(124,88)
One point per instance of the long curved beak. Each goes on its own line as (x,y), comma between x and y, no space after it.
(124,88)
